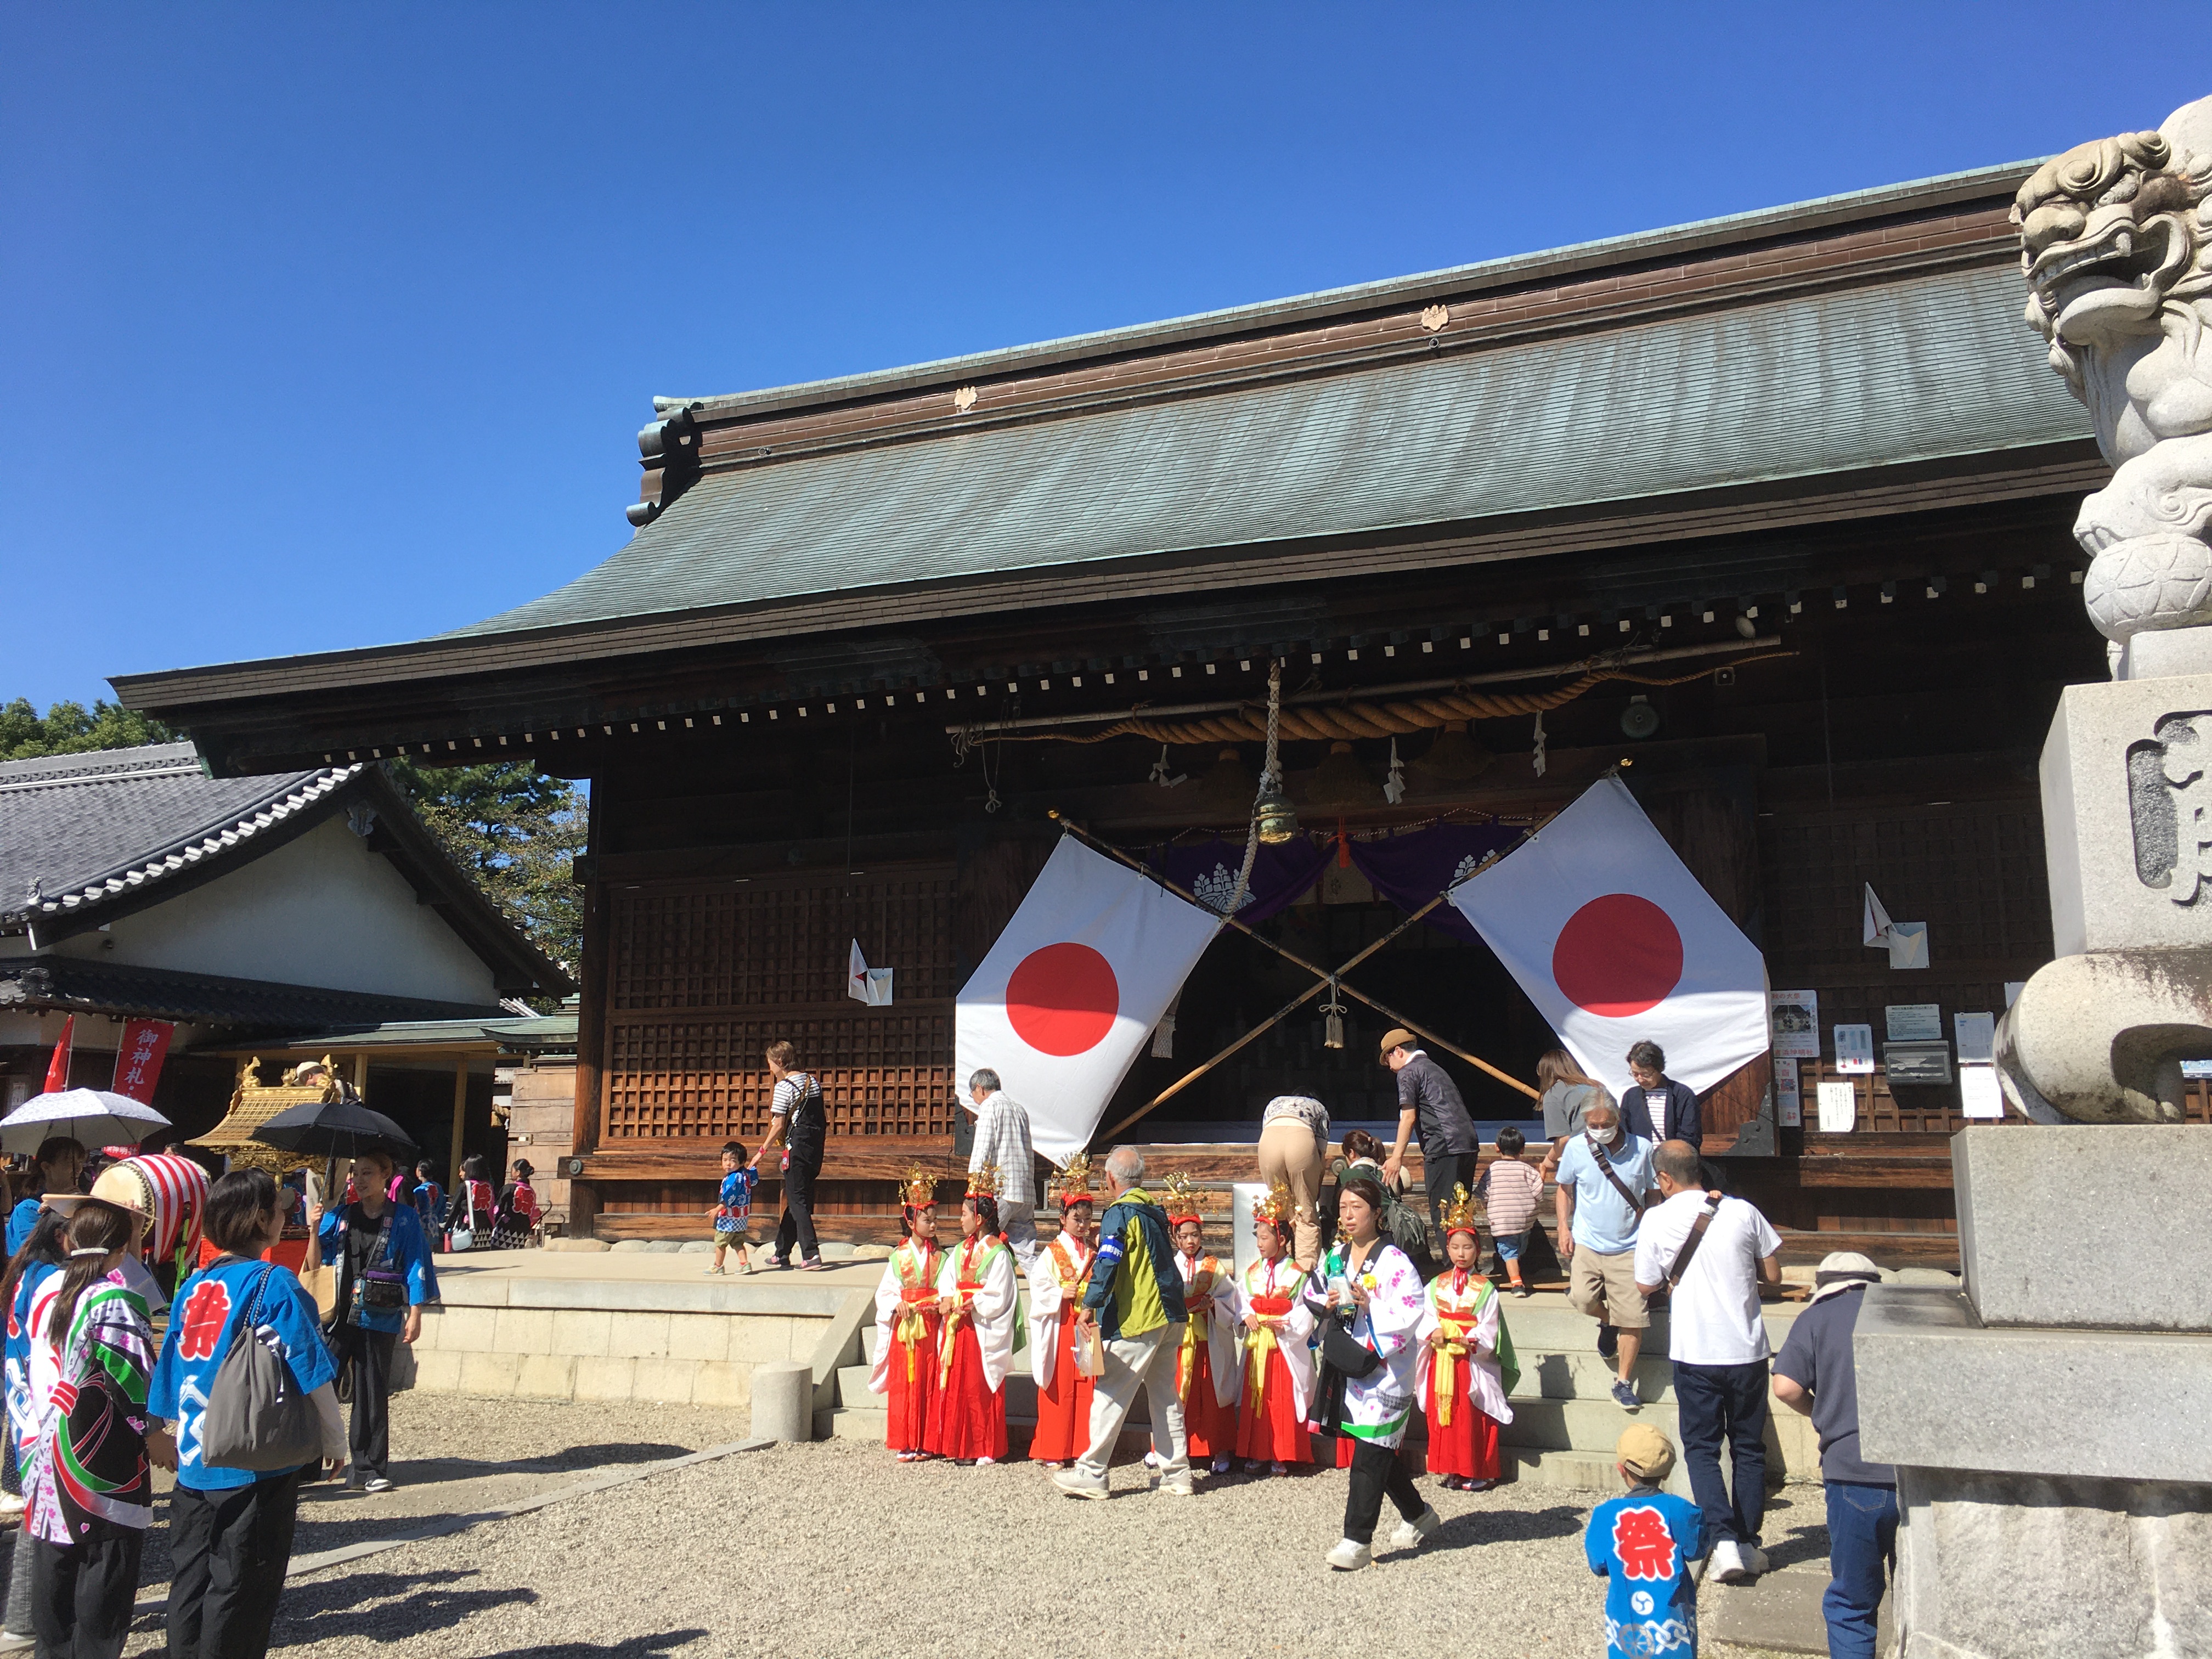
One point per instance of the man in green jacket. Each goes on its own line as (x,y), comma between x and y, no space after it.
(1134,1300)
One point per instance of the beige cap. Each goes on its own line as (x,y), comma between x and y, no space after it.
(1644,1452)
(1841,1269)
(1398,1038)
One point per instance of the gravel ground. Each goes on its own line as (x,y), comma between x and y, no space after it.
(822,1551)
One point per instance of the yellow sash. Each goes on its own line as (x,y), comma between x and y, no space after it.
(1458,1327)
(1197,1328)
(1259,1343)
(911,1325)
(965,1284)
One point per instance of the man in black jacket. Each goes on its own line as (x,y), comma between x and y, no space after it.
(1658,1108)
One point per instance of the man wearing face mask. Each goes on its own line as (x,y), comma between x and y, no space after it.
(1606,1182)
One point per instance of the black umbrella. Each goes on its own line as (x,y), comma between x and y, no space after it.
(335,1129)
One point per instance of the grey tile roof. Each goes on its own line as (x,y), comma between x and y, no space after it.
(523,1032)
(85,985)
(1921,369)
(75,830)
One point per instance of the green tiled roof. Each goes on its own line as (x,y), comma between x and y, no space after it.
(1935,367)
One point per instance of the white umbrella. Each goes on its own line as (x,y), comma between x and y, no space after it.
(92,1117)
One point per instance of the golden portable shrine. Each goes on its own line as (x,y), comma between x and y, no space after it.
(1766,517)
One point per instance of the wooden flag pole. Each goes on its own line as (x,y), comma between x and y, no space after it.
(1323,979)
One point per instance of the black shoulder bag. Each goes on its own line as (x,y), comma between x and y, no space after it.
(1697,1238)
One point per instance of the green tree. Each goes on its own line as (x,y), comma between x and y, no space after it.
(516,831)
(70,728)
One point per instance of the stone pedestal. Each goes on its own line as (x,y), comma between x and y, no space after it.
(2127,782)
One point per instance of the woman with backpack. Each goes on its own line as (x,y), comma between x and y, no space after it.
(475,1207)
(230,1529)
(89,1491)
(518,1210)
(1361,1159)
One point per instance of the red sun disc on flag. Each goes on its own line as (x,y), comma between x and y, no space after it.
(1618,956)
(1062,999)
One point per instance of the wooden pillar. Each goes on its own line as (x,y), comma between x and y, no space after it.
(591,1059)
(460,1118)
(361,1075)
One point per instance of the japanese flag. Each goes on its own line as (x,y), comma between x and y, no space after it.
(1614,940)
(1070,990)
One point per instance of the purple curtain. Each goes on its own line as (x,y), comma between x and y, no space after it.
(1280,874)
(1410,870)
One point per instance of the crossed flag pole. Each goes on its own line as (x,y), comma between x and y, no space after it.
(1323,979)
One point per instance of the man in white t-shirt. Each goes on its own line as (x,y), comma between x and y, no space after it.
(1717,1343)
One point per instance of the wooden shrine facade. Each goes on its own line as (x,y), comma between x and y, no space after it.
(1771,516)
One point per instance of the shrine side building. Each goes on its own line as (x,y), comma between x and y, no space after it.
(1798,481)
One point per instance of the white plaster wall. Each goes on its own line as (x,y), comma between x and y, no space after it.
(320,911)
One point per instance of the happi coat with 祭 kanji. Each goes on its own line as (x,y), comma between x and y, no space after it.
(1379,1407)
(1278,1366)
(970,1418)
(906,1341)
(89,1464)
(1063,1408)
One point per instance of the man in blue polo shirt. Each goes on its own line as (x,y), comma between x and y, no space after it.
(1605,1183)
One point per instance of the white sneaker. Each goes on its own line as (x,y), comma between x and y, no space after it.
(1348,1556)
(1755,1558)
(1410,1533)
(1725,1565)
(1070,1481)
(1182,1488)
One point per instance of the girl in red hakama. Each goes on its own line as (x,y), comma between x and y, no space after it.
(906,1322)
(1271,1417)
(1206,1373)
(976,1295)
(1457,1377)
(1057,1278)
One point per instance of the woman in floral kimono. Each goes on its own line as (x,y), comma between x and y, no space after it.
(1206,1375)
(1056,1282)
(1462,1390)
(89,1490)
(1369,1291)
(907,1321)
(1278,1367)
(976,1298)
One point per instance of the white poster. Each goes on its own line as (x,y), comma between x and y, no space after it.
(1788,1104)
(1977,1037)
(1855,1050)
(1839,1107)
(1794,1020)
(1979,1093)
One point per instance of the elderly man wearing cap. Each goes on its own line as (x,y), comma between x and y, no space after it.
(1814,1376)
(1428,1100)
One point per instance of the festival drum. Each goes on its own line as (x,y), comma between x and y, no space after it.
(173,1190)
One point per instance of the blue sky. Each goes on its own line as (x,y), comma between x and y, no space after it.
(326,326)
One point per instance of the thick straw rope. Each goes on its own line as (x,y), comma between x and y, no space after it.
(1356,719)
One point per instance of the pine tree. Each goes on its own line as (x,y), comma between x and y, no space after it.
(69,728)
(516,833)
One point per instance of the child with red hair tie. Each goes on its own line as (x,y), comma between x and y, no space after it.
(1279,1371)
(1458,1378)
(1206,1373)
(1057,1278)
(908,1320)
(976,1300)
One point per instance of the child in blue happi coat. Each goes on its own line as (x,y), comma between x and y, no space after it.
(733,1210)
(1643,1542)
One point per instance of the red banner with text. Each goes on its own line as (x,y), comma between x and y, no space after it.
(138,1060)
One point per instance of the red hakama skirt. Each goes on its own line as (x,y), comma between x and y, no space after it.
(1270,1430)
(1468,1445)
(913,1392)
(1063,1411)
(969,1418)
(1209,1425)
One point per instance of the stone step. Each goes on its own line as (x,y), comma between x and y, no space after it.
(1589,1471)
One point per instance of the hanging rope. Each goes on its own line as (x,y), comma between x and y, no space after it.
(1269,779)
(1356,719)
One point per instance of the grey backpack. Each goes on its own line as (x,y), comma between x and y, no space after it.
(257,1416)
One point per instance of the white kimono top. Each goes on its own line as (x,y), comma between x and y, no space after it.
(987,1263)
(910,1269)
(1469,1303)
(1277,1278)
(1379,1407)
(1213,1320)
(1056,1280)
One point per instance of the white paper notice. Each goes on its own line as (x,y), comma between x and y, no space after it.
(1794,1018)
(1789,1105)
(1839,1107)
(1855,1050)
(1979,1094)
(1977,1037)
(1908,944)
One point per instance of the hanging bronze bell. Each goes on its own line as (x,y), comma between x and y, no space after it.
(1277,818)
